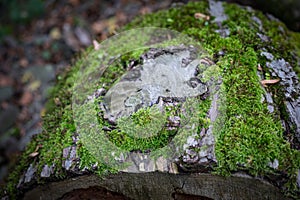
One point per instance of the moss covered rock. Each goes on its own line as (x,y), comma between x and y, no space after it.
(213,90)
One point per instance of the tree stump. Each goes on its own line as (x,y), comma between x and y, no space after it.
(200,101)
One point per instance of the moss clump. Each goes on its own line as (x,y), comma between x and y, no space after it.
(144,130)
(143,117)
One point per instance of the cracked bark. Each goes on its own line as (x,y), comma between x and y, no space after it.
(157,185)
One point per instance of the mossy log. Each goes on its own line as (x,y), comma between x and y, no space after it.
(205,106)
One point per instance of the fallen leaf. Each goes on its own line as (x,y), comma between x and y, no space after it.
(201,16)
(121,17)
(266,82)
(111,24)
(55,33)
(96,45)
(26,77)
(99,26)
(26,98)
(43,112)
(24,62)
(33,86)
(5,80)
(33,154)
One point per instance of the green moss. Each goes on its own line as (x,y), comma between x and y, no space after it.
(144,117)
(178,19)
(247,138)
(144,130)
(251,136)
(88,162)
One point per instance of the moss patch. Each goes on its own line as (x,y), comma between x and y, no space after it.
(146,121)
(251,136)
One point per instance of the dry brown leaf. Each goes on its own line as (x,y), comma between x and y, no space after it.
(24,62)
(5,80)
(267,82)
(201,16)
(98,26)
(33,154)
(26,98)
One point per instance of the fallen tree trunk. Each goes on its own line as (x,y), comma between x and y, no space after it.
(206,108)
(161,186)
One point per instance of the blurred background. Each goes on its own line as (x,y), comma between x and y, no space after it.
(40,38)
